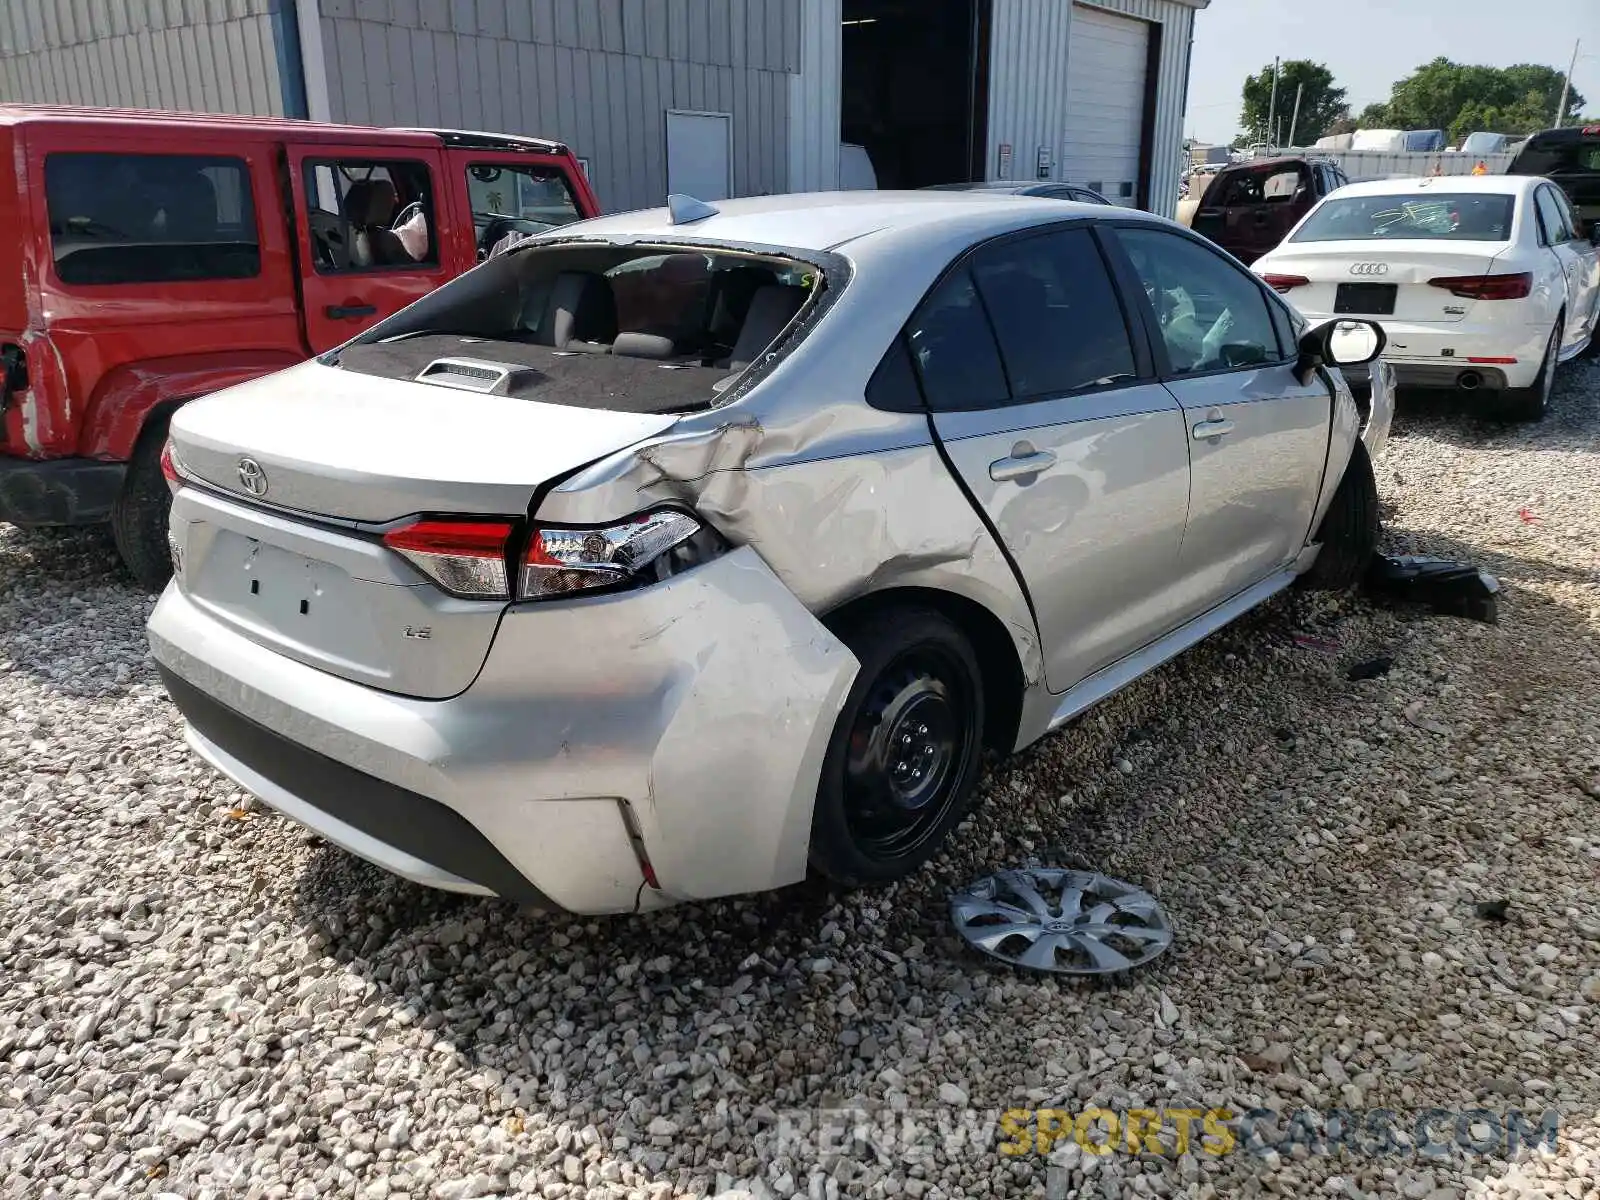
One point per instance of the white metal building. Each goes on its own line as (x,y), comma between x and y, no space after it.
(721,97)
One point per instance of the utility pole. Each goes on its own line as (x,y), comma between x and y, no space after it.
(1295,120)
(1566,85)
(1272,106)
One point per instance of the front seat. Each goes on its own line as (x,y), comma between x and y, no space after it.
(369,207)
(771,310)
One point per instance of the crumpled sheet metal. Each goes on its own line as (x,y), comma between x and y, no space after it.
(1451,588)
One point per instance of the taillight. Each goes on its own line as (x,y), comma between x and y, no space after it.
(466,558)
(1486,287)
(558,562)
(1284,283)
(169,469)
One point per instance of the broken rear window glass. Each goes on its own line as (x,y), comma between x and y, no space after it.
(644,329)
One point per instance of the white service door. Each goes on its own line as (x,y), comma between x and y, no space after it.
(700,155)
(1107,56)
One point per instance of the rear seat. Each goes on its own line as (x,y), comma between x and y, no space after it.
(771,310)
(580,314)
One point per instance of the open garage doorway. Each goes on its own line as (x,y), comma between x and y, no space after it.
(916,86)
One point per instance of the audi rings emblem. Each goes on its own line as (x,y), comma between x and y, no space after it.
(251,477)
(1370,269)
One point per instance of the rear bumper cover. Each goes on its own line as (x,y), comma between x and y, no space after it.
(58,491)
(697,711)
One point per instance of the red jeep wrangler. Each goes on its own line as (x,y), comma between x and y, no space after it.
(160,256)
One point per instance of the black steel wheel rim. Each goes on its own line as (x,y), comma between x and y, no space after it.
(909,748)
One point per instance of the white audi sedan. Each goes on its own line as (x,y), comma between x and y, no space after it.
(1480,282)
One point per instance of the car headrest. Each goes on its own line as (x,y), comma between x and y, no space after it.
(370,202)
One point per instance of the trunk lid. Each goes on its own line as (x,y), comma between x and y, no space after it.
(351,447)
(355,452)
(1366,268)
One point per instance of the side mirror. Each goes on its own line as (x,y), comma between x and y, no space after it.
(1339,343)
(1594,234)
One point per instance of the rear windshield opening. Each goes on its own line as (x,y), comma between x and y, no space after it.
(634,329)
(1442,216)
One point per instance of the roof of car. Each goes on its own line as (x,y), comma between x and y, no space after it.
(820,221)
(1502,184)
(990,185)
(228,123)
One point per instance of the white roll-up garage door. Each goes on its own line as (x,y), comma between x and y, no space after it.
(1107,57)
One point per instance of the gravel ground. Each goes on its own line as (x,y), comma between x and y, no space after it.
(202,1001)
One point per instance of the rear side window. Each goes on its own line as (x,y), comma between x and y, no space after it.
(370,216)
(954,351)
(1553,224)
(150,218)
(1055,314)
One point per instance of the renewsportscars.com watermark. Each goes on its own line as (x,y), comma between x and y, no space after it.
(854,1135)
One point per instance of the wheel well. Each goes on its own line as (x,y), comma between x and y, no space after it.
(992,645)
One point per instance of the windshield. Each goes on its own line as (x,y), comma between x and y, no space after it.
(1556,158)
(1443,216)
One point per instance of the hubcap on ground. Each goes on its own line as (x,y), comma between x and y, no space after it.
(1069,922)
(908,751)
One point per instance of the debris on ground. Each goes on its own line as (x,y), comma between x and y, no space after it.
(1372,668)
(1454,589)
(1493,910)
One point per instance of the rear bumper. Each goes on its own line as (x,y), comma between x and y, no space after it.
(1434,375)
(58,491)
(1437,355)
(696,711)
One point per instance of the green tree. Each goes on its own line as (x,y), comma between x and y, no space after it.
(1321,103)
(1462,98)
(1374,116)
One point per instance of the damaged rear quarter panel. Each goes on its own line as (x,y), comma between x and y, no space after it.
(840,499)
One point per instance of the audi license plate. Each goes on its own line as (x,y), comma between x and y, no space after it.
(1368,299)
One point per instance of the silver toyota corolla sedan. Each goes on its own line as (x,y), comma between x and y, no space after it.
(675,553)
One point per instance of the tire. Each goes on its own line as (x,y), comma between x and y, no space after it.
(873,823)
(139,513)
(1349,531)
(1531,403)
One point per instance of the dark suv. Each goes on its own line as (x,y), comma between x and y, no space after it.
(1250,207)
(1568,157)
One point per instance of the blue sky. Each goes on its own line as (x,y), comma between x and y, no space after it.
(1368,44)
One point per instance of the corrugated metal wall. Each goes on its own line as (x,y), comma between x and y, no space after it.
(208,55)
(599,75)
(814,100)
(1028,94)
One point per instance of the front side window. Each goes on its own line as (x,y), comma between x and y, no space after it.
(150,218)
(1212,315)
(1055,314)
(1425,216)
(369,215)
(513,199)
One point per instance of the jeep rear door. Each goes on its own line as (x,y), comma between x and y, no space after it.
(355,266)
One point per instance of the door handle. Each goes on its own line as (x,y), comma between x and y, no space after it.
(339,312)
(1212,429)
(1021,463)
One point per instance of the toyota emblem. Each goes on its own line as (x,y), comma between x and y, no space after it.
(251,477)
(1370,269)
